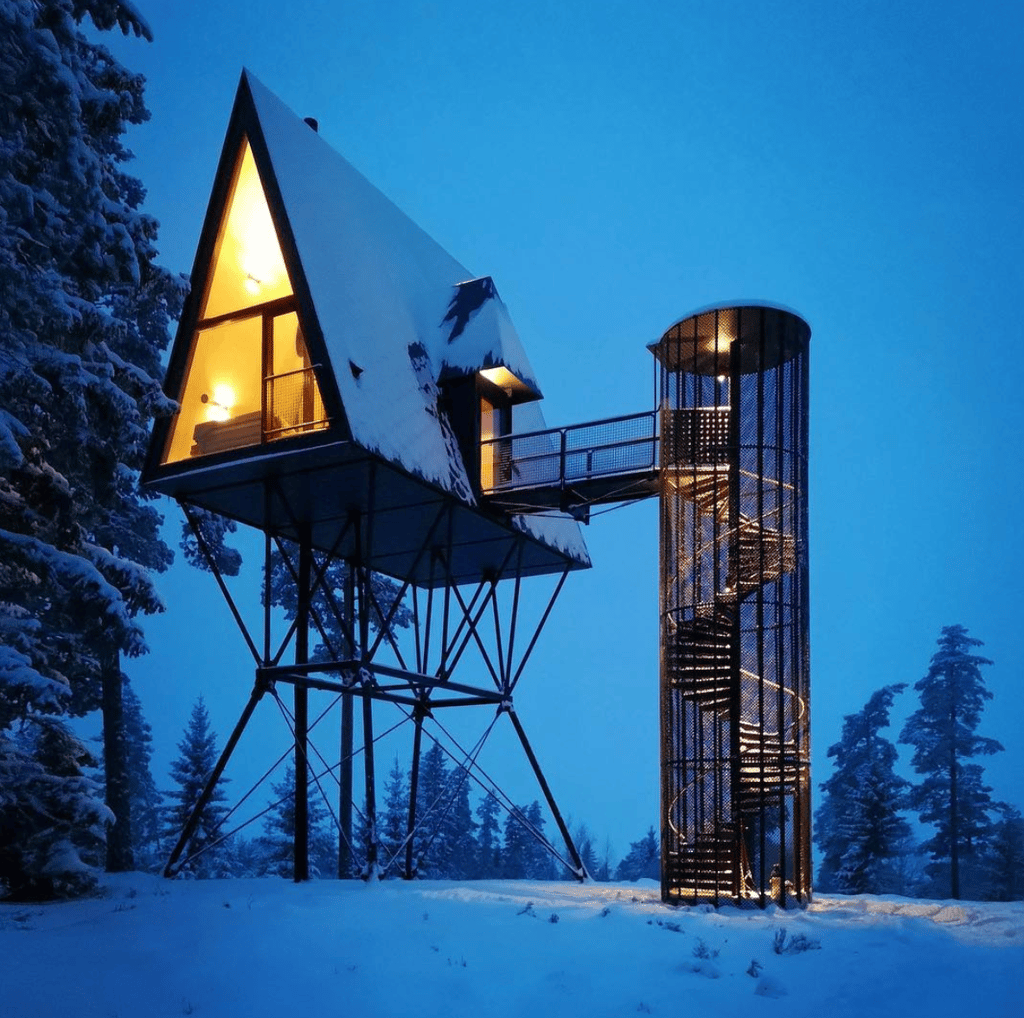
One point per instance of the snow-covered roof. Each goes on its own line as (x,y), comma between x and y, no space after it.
(398,314)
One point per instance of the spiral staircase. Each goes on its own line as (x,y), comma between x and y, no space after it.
(734,766)
(738,752)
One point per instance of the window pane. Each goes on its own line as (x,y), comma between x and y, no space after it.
(294,405)
(248,266)
(220,405)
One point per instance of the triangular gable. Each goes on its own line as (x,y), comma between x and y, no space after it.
(382,290)
(241,368)
(371,291)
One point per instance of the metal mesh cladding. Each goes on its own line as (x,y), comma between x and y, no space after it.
(734,671)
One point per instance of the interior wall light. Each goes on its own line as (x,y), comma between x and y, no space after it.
(220,403)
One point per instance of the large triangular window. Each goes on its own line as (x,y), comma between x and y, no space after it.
(249,378)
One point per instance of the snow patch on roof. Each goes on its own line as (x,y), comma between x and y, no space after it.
(486,339)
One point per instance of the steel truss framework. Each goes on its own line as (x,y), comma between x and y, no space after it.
(370,667)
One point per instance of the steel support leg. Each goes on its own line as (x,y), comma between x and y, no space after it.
(580,871)
(193,821)
(414,787)
(301,846)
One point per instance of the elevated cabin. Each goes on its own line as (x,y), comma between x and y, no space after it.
(334,363)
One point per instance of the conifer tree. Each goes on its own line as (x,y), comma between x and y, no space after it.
(143,793)
(52,822)
(1006,858)
(145,802)
(276,845)
(83,318)
(191,769)
(859,827)
(523,855)
(395,819)
(642,860)
(328,600)
(952,794)
(488,842)
(584,842)
(461,861)
(432,840)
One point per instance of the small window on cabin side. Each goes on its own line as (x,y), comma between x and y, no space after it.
(495,456)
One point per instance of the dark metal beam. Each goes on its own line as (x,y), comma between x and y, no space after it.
(581,872)
(215,775)
(211,562)
(301,853)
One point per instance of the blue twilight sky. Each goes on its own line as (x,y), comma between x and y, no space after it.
(614,165)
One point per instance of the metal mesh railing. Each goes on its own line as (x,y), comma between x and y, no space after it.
(293,404)
(560,456)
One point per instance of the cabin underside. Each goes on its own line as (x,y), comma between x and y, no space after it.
(328,487)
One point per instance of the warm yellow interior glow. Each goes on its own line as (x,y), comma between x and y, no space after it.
(501,377)
(489,429)
(222,384)
(224,395)
(226,402)
(249,267)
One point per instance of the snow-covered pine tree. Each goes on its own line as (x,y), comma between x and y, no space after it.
(52,817)
(523,855)
(190,770)
(214,531)
(584,842)
(145,798)
(1006,858)
(462,828)
(952,795)
(540,863)
(604,862)
(488,843)
(394,820)
(432,839)
(642,860)
(858,826)
(328,601)
(276,845)
(84,311)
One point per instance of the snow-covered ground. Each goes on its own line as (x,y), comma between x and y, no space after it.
(149,948)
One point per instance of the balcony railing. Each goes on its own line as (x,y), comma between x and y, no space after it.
(293,404)
(561,458)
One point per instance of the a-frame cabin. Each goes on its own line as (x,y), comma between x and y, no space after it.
(341,381)
(333,359)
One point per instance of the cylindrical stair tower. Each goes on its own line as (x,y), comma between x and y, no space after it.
(735,710)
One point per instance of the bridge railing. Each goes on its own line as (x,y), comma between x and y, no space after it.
(561,456)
